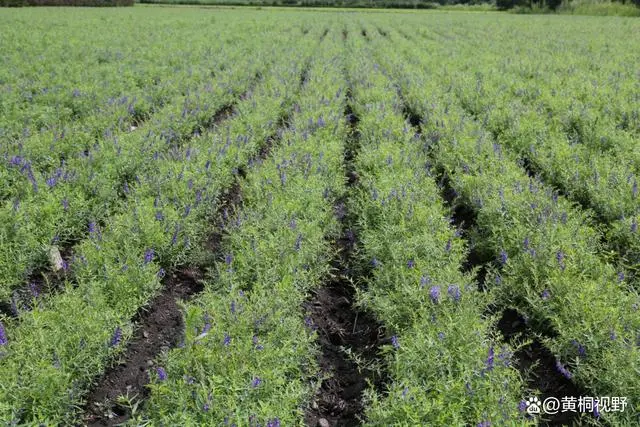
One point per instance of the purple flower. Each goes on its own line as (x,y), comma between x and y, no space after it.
(3,335)
(16,161)
(410,263)
(394,342)
(273,423)
(441,335)
(256,343)
(65,204)
(207,325)
(228,259)
(526,242)
(634,226)
(256,382)
(161,273)
(634,189)
(503,257)
(159,216)
(233,307)
(308,322)
(298,243)
(560,259)
(162,374)
(545,294)
(405,391)
(582,352)
(205,407)
(51,182)
(448,246)
(484,424)
(148,256)
(563,370)
(92,227)
(522,406)
(375,263)
(227,340)
(454,292)
(321,122)
(434,293)
(116,338)
(612,335)
(32,178)
(187,210)
(620,276)
(490,358)
(505,356)
(498,279)
(424,281)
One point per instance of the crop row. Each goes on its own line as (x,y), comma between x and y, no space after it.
(55,207)
(585,85)
(55,350)
(248,357)
(549,264)
(83,82)
(445,364)
(603,177)
(560,119)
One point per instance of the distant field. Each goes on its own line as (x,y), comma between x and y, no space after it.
(215,216)
(359,4)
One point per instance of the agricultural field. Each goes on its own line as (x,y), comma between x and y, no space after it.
(270,217)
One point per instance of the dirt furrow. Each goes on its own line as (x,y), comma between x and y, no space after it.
(161,325)
(535,362)
(161,328)
(349,339)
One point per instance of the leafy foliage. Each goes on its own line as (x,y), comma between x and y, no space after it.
(116,148)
